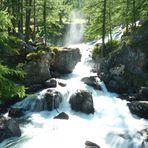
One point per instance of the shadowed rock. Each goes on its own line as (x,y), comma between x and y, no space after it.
(82,101)
(62,116)
(8,128)
(66,60)
(89,144)
(15,112)
(50,83)
(139,108)
(92,81)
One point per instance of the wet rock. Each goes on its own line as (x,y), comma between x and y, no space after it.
(116,86)
(53,99)
(49,100)
(16,112)
(8,128)
(92,81)
(62,116)
(82,101)
(130,98)
(89,144)
(66,60)
(139,108)
(62,84)
(50,83)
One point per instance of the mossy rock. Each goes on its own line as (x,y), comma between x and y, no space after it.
(35,56)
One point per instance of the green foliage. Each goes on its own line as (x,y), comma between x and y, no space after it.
(96,50)
(8,85)
(8,88)
(112,45)
(4,24)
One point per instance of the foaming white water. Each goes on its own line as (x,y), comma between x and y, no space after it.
(107,127)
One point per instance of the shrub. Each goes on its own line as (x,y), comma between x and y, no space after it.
(8,88)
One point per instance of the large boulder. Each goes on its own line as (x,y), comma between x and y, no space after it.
(82,101)
(8,128)
(53,99)
(37,68)
(66,59)
(16,112)
(49,101)
(139,108)
(125,70)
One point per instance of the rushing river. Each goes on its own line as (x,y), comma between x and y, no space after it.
(111,126)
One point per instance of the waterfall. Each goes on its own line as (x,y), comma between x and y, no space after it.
(111,126)
(74,33)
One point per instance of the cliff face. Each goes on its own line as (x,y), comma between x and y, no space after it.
(125,69)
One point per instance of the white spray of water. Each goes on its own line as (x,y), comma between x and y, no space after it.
(74,34)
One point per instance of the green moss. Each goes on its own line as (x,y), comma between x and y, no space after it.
(55,49)
(35,56)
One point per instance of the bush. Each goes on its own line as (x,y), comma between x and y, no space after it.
(96,50)
(8,88)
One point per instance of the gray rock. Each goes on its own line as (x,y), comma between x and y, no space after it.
(38,71)
(53,99)
(50,83)
(89,144)
(92,81)
(62,84)
(124,71)
(62,116)
(66,60)
(82,101)
(139,108)
(8,128)
(16,112)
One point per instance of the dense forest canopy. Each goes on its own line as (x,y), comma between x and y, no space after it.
(35,20)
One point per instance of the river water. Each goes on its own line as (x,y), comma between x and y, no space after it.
(111,126)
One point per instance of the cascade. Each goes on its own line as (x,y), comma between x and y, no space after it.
(111,126)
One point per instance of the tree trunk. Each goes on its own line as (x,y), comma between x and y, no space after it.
(34,20)
(134,14)
(127,9)
(44,21)
(27,23)
(110,23)
(104,25)
(21,17)
(13,20)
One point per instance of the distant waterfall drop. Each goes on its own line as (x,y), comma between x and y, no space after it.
(74,32)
